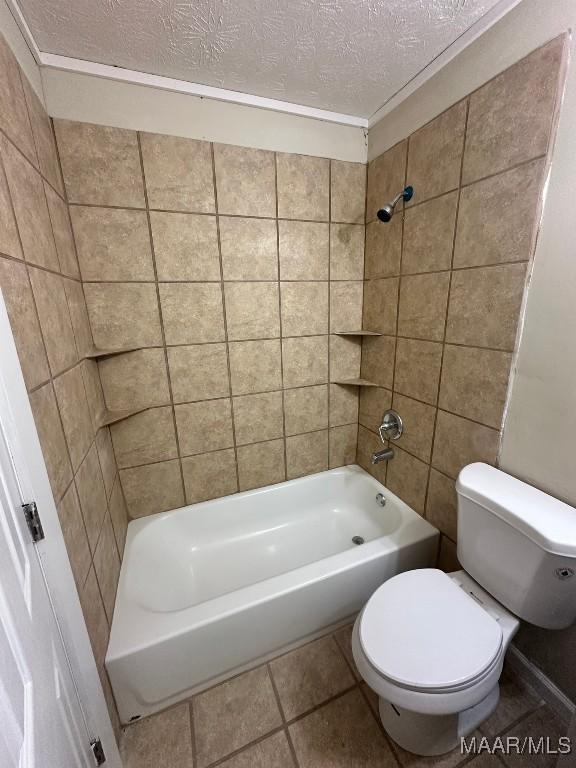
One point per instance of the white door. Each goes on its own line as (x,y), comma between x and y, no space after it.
(41,720)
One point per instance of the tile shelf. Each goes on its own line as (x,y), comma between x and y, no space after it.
(106,417)
(355,383)
(357,333)
(96,352)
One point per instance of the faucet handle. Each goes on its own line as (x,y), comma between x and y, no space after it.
(391,427)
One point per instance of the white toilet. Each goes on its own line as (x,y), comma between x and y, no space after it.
(432,645)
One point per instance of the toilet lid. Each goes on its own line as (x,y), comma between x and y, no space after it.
(424,632)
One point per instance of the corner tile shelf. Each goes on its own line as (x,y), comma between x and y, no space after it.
(106,417)
(355,383)
(95,353)
(357,333)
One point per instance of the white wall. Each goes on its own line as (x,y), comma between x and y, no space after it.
(92,99)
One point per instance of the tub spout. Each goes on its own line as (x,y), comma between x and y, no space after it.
(385,455)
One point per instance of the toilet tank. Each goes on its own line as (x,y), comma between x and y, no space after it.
(519,544)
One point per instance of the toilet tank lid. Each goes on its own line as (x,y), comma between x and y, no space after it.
(548,522)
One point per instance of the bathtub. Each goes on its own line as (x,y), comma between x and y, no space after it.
(209,590)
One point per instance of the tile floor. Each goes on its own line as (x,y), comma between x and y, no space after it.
(310,709)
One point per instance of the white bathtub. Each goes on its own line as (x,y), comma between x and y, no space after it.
(213,588)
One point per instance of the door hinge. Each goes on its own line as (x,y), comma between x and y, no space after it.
(33,521)
(98,751)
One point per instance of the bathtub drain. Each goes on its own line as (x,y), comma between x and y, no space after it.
(357,540)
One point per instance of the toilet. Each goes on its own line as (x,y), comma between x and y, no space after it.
(432,645)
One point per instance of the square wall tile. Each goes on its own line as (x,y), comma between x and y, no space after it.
(19,300)
(82,331)
(383,248)
(381,305)
(255,366)
(233,714)
(107,567)
(43,137)
(429,235)
(113,244)
(9,238)
(92,495)
(304,250)
(198,372)
(123,314)
(249,248)
(474,383)
(373,402)
(435,154)
(345,354)
(378,360)
(407,477)
(343,405)
(511,116)
(303,187)
(205,426)
(261,464)
(306,409)
(152,488)
(178,173)
(107,459)
(346,306)
(75,414)
(419,420)
(252,310)
(145,438)
(62,230)
(441,504)
(347,191)
(258,417)
(13,112)
(245,181)
(192,313)
(185,246)
(31,209)
(94,616)
(504,208)
(135,380)
(417,372)
(485,306)
(94,392)
(459,442)
(448,562)
(346,251)
(342,445)
(209,475)
(305,361)
(386,175)
(118,515)
(101,165)
(422,305)
(368,443)
(54,317)
(304,308)
(74,533)
(306,454)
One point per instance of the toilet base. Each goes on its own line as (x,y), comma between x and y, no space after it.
(429,735)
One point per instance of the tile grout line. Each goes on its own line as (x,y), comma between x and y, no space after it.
(224,316)
(282,715)
(283,395)
(160,316)
(364,281)
(328,447)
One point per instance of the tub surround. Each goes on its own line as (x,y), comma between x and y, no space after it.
(40,282)
(445,282)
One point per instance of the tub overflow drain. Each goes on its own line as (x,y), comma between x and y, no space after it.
(357,540)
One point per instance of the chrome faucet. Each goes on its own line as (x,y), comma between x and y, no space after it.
(385,455)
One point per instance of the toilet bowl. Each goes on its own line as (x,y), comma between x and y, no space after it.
(432,646)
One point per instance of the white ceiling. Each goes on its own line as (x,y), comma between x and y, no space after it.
(347,56)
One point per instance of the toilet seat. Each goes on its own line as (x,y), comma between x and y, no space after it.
(421,632)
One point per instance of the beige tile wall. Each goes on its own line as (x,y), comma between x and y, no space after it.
(231,270)
(444,281)
(40,282)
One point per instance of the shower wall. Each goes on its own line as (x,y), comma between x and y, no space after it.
(229,272)
(40,282)
(444,282)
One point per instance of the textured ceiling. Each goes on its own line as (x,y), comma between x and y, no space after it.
(347,56)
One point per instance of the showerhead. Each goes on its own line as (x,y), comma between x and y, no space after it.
(386,213)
